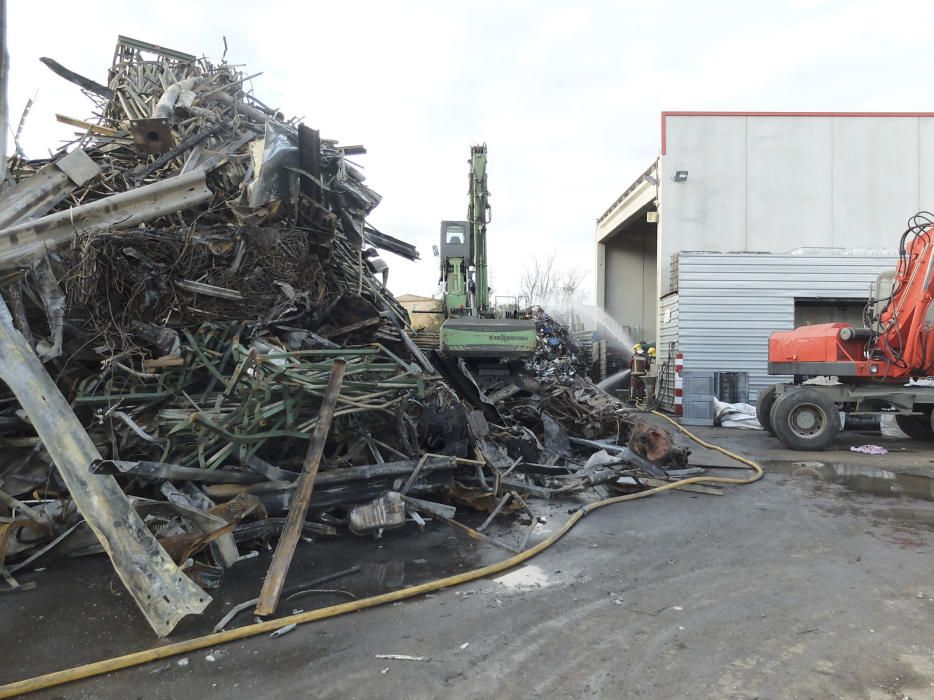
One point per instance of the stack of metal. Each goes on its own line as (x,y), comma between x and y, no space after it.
(201,355)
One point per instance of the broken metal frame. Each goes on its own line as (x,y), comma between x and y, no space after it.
(276,400)
(163,593)
(51,184)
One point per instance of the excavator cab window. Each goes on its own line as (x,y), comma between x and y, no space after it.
(880,295)
(455,235)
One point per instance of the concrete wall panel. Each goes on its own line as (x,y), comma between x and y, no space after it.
(789,183)
(875,179)
(926,164)
(708,210)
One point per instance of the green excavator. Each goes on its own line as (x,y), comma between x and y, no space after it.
(473,328)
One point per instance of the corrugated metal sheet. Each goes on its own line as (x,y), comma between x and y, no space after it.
(728,304)
(665,348)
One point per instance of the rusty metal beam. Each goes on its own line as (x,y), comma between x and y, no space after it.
(119,211)
(36,195)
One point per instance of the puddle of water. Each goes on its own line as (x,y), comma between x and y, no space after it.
(910,494)
(915,516)
(876,481)
(526,577)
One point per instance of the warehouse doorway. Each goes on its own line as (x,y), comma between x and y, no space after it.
(631,287)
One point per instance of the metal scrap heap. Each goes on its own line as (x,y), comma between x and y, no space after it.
(201,355)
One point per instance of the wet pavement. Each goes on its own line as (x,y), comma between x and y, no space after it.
(817,581)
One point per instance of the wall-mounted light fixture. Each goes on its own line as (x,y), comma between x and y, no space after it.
(680,176)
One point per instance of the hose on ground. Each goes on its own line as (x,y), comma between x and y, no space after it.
(97,668)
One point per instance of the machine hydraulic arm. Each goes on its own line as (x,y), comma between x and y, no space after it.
(464,260)
(478,213)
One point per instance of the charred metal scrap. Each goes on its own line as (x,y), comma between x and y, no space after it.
(178,285)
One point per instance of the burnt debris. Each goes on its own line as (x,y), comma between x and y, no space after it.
(178,285)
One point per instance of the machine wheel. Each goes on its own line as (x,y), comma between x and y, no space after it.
(805,419)
(916,427)
(764,403)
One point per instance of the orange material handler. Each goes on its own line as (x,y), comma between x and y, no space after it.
(882,367)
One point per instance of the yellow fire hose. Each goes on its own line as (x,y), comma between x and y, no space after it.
(96,668)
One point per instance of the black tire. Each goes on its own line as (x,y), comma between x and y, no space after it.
(916,427)
(764,403)
(805,419)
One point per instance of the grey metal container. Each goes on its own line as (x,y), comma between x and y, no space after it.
(733,387)
(699,388)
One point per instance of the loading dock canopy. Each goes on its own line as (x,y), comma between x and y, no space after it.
(631,206)
(626,256)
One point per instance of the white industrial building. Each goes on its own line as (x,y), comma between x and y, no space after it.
(753,222)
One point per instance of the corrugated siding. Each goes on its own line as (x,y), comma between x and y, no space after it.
(728,304)
(666,346)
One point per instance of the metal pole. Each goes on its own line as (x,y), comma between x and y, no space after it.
(4,67)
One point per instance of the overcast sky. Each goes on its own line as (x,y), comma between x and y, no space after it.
(567,95)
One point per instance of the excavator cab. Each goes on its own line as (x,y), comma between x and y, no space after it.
(880,293)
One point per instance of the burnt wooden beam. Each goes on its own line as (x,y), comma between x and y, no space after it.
(282,558)
(79,80)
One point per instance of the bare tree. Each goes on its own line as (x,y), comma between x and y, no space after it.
(537,281)
(543,282)
(568,289)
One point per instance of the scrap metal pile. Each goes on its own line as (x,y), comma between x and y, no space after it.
(201,355)
(557,353)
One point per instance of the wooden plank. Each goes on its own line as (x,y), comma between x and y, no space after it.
(351,327)
(162,362)
(282,558)
(87,126)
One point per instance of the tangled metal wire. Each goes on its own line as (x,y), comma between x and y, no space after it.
(112,282)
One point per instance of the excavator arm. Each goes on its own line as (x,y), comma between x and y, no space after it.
(904,335)
(478,213)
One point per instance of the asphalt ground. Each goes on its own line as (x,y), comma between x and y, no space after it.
(815,582)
